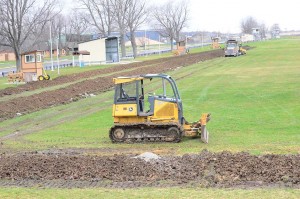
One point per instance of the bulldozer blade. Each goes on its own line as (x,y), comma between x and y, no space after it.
(204,134)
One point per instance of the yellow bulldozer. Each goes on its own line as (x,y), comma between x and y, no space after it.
(140,115)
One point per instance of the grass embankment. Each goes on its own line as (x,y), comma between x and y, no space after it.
(5,64)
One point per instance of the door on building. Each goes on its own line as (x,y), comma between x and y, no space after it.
(112,49)
(6,57)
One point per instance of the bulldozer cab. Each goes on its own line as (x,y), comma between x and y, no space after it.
(150,95)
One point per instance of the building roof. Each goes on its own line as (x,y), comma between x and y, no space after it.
(82,52)
(6,51)
(110,37)
(30,52)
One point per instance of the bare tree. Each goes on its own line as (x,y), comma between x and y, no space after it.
(275,30)
(180,18)
(263,30)
(101,15)
(59,25)
(120,10)
(78,23)
(275,27)
(171,18)
(136,16)
(164,23)
(247,25)
(21,20)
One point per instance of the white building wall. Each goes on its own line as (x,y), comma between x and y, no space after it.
(247,38)
(96,49)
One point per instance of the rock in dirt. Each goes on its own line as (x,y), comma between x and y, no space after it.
(148,156)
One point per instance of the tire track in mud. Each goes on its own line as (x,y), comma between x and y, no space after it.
(74,92)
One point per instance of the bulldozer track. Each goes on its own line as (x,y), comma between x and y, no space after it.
(146,132)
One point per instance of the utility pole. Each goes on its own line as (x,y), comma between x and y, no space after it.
(52,69)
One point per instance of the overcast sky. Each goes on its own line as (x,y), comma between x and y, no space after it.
(226,15)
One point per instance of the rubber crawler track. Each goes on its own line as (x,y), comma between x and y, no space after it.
(147,132)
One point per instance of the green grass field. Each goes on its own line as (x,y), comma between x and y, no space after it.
(5,64)
(254,101)
(155,193)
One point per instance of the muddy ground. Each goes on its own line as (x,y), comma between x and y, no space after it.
(73,92)
(87,74)
(205,169)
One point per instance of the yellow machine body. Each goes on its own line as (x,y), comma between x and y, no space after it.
(131,114)
(163,112)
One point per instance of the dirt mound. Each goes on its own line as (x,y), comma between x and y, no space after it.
(73,92)
(205,169)
(77,76)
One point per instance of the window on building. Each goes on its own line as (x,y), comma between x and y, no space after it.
(29,58)
(38,58)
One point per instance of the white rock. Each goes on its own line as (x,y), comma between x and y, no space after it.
(148,156)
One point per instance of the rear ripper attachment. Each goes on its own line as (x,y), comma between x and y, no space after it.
(162,121)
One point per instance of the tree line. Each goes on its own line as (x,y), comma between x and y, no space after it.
(24,24)
(249,23)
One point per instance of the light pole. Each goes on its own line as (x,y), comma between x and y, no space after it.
(145,35)
(57,53)
(202,39)
(186,40)
(51,48)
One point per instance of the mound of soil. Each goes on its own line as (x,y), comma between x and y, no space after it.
(73,92)
(87,74)
(205,169)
